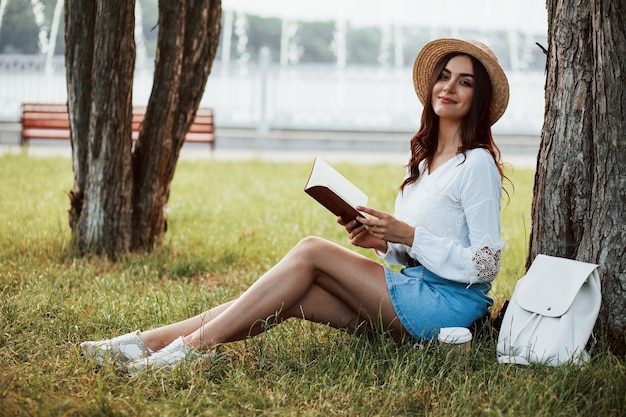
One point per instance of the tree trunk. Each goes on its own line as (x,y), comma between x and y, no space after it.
(80,18)
(119,194)
(186,47)
(579,204)
(101,200)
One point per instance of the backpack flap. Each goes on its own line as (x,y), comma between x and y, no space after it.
(551,284)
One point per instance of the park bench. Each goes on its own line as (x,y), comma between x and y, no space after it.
(51,121)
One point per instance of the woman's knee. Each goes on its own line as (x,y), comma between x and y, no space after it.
(312,247)
(311,244)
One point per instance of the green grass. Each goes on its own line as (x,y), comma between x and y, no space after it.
(229,222)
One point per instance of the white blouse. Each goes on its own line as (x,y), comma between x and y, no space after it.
(456,214)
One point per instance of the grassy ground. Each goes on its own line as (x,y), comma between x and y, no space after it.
(230,221)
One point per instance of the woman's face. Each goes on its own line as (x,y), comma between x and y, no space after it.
(454,88)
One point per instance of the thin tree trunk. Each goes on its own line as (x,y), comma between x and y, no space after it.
(157,146)
(187,43)
(80,17)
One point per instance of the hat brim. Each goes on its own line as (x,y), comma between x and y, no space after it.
(433,51)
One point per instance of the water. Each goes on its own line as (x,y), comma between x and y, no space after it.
(241,21)
(54,29)
(281,95)
(40,20)
(3,6)
(299,96)
(140,38)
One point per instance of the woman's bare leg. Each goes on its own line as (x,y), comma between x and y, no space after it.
(317,280)
(158,338)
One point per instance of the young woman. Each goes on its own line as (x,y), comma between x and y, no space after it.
(445,232)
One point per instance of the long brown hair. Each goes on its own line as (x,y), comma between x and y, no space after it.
(475,127)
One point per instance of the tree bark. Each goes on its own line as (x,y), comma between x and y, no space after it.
(120,193)
(101,199)
(579,204)
(78,69)
(186,47)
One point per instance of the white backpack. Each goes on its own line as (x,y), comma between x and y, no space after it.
(551,314)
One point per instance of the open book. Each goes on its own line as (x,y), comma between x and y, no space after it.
(334,191)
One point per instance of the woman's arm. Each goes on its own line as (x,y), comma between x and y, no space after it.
(478,189)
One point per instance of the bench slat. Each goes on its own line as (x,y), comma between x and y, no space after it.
(44,108)
(200,137)
(201,129)
(31,115)
(45,133)
(46,123)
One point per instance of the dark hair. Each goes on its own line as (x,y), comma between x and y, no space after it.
(475,127)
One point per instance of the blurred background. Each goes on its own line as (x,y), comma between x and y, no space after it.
(300,66)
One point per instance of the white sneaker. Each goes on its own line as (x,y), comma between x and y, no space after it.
(119,350)
(165,359)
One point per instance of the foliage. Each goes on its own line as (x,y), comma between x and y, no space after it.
(18,32)
(230,221)
(271,30)
(316,38)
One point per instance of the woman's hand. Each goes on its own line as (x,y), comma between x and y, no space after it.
(375,231)
(359,236)
(386,227)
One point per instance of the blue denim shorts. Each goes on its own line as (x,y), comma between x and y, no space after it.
(425,302)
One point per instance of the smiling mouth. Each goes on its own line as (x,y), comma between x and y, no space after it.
(446,100)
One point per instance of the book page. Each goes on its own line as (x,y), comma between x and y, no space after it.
(334,191)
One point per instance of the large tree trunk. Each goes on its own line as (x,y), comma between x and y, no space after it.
(119,195)
(101,200)
(579,204)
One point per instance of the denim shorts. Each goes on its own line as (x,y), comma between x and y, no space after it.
(425,302)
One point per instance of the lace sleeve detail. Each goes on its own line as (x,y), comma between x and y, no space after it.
(485,263)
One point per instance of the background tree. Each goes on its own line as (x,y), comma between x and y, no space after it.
(120,191)
(579,204)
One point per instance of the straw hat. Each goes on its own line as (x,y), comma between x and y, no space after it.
(433,51)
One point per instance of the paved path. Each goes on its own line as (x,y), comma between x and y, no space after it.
(525,160)
(293,145)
